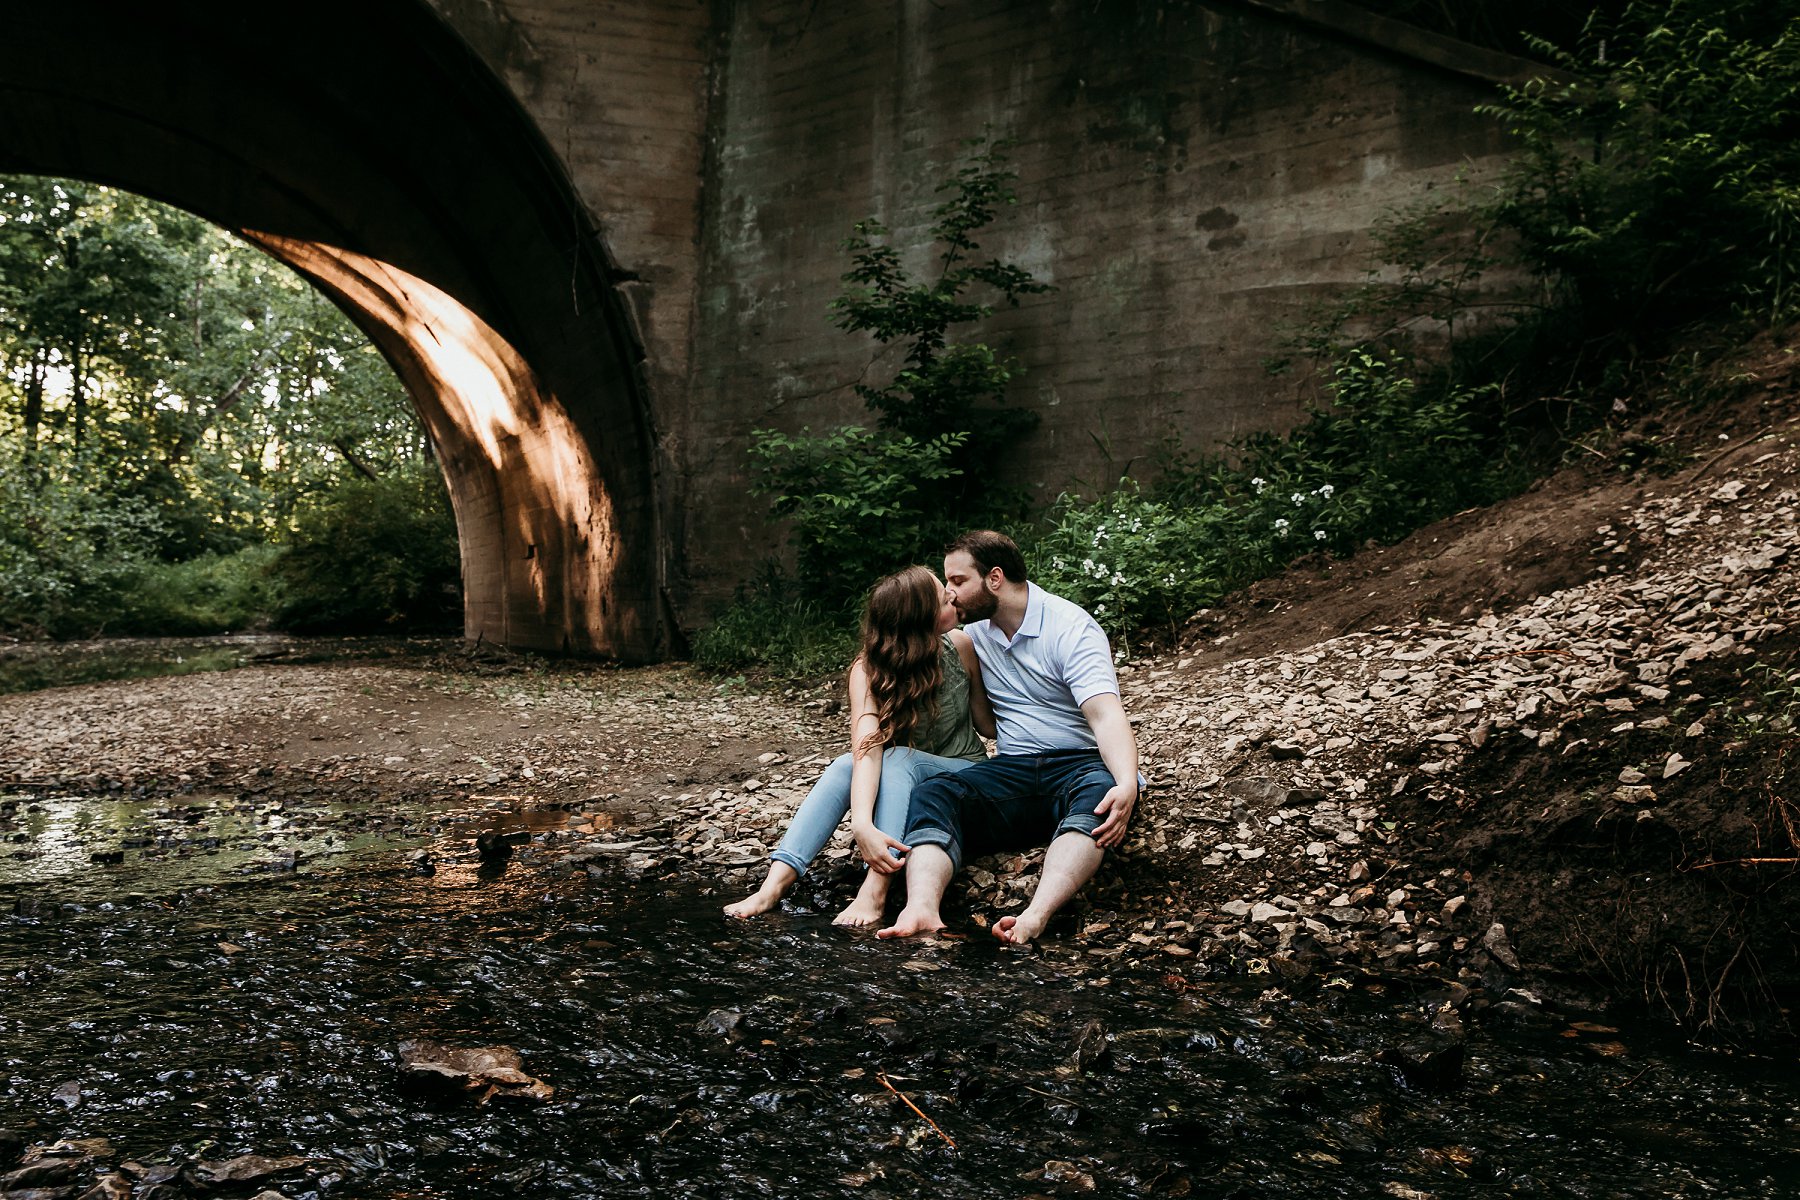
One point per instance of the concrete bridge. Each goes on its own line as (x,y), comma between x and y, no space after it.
(596,237)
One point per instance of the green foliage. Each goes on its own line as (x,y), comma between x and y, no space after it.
(169,399)
(1661,181)
(853,497)
(945,386)
(863,502)
(1655,185)
(68,557)
(1383,458)
(1133,561)
(373,555)
(775,625)
(214,593)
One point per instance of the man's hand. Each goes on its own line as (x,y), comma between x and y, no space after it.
(1116,808)
(877,849)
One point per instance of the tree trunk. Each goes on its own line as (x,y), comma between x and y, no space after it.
(34,402)
(78,397)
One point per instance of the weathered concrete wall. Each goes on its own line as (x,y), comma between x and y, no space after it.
(1191,176)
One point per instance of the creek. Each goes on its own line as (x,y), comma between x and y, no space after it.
(240,981)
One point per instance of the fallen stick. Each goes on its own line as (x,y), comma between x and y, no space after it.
(1738,862)
(934,1125)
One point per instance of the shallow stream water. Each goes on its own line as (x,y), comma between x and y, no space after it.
(210,996)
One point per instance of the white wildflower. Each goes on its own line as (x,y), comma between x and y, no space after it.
(1318,535)
(1281,525)
(1326,490)
(1298,497)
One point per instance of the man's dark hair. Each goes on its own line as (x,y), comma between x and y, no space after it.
(990,550)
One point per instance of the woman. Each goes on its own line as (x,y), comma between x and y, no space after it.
(916,709)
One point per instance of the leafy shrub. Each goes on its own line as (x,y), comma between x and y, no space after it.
(775,625)
(214,593)
(863,502)
(1661,180)
(1131,560)
(373,555)
(853,498)
(1382,459)
(68,557)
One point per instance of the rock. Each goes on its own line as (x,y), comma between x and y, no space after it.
(1065,1174)
(1430,1064)
(245,1168)
(1235,908)
(422,862)
(109,1187)
(1675,765)
(1093,1047)
(1631,775)
(1452,906)
(495,847)
(487,1072)
(722,1022)
(46,1173)
(1266,912)
(1494,941)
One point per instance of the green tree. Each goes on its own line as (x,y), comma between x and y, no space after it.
(185,390)
(866,501)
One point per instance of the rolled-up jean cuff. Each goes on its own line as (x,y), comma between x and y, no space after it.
(792,860)
(1079,822)
(939,838)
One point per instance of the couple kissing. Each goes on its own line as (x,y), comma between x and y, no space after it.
(1029,669)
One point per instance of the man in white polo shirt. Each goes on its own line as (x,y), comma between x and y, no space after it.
(1067,771)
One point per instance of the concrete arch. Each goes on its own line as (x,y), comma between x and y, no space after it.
(371,149)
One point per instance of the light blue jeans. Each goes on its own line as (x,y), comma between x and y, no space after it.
(818,816)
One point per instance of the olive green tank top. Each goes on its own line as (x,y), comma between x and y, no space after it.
(953,734)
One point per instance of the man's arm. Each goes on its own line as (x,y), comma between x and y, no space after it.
(1118,747)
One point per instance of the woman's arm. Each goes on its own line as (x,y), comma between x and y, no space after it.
(865,778)
(981,713)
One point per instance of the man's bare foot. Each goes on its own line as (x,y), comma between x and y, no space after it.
(1018,931)
(911,923)
(861,911)
(756,903)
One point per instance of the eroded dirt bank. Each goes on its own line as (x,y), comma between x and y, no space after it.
(1543,747)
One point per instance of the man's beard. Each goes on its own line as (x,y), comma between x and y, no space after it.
(978,610)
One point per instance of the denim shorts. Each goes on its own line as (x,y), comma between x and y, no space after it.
(1009,803)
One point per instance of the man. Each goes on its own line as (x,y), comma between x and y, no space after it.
(1067,771)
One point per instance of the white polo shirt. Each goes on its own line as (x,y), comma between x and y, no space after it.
(1040,677)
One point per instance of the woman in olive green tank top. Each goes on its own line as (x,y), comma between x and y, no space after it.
(917,709)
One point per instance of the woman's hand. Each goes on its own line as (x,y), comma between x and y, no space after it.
(877,849)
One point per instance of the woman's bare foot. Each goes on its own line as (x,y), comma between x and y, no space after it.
(756,903)
(911,923)
(781,877)
(861,911)
(869,904)
(1020,930)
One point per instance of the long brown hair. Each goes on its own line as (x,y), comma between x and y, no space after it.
(901,653)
